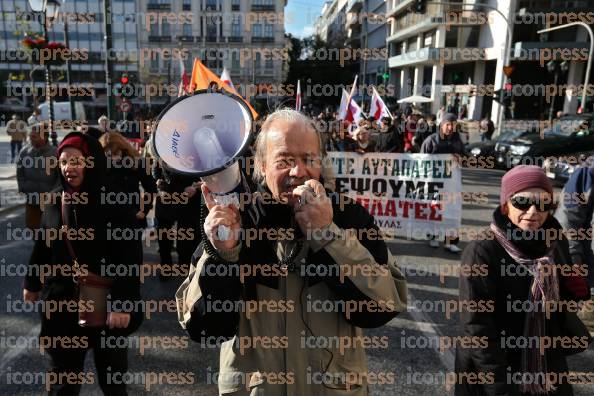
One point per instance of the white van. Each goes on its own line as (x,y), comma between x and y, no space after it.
(62,111)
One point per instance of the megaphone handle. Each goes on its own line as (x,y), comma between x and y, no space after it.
(223,233)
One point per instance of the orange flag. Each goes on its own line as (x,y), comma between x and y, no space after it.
(202,77)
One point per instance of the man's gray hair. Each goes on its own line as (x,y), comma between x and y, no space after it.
(288,115)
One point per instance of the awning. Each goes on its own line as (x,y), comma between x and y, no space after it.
(416,99)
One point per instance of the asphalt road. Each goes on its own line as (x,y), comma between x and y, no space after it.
(418,370)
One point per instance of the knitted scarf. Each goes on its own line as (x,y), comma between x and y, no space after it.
(544,288)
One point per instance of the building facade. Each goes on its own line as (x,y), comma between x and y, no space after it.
(451,54)
(244,36)
(330,25)
(83,20)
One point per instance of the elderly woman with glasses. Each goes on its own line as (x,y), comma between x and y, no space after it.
(514,269)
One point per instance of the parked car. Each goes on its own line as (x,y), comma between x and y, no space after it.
(486,149)
(571,134)
(12,105)
(62,111)
(560,170)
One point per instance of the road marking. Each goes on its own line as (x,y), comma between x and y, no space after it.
(409,324)
(433,289)
(426,325)
(15,352)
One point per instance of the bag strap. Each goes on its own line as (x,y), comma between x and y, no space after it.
(75,266)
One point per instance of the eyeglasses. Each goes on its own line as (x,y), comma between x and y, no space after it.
(525,203)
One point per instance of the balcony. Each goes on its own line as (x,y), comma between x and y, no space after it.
(185,39)
(354,5)
(211,39)
(235,39)
(260,39)
(186,7)
(159,39)
(263,7)
(235,7)
(394,7)
(158,7)
(436,55)
(353,20)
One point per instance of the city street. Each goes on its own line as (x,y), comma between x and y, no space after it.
(232,119)
(417,371)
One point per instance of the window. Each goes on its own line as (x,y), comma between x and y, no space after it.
(257,30)
(268,63)
(258,61)
(187,5)
(268,30)
(235,60)
(211,4)
(165,28)
(236,28)
(154,30)
(211,30)
(187,29)
(155,62)
(235,5)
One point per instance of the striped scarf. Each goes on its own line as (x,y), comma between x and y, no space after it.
(545,287)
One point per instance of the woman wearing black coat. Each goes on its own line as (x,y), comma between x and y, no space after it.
(510,269)
(80,210)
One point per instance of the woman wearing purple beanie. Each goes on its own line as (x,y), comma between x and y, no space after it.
(520,264)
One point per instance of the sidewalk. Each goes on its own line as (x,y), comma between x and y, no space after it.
(10,199)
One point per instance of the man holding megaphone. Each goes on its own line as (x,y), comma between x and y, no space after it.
(290,302)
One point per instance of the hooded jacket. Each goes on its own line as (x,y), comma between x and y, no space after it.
(87,214)
(306,296)
(436,144)
(498,286)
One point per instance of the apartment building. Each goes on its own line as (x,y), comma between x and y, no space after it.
(449,52)
(330,25)
(84,20)
(245,36)
(367,29)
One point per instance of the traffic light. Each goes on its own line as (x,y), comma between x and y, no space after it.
(126,87)
(508,94)
(420,6)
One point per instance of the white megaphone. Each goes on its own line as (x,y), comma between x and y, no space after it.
(203,135)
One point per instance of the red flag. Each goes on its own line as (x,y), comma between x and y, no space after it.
(378,108)
(184,84)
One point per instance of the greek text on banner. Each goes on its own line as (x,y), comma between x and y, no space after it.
(408,194)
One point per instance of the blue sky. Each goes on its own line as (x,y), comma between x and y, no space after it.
(300,16)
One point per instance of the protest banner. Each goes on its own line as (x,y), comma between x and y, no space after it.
(409,195)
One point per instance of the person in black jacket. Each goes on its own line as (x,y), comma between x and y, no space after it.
(520,263)
(78,206)
(387,137)
(178,202)
(445,141)
(126,172)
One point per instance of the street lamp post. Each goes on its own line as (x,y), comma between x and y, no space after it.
(589,66)
(108,68)
(48,8)
(68,69)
